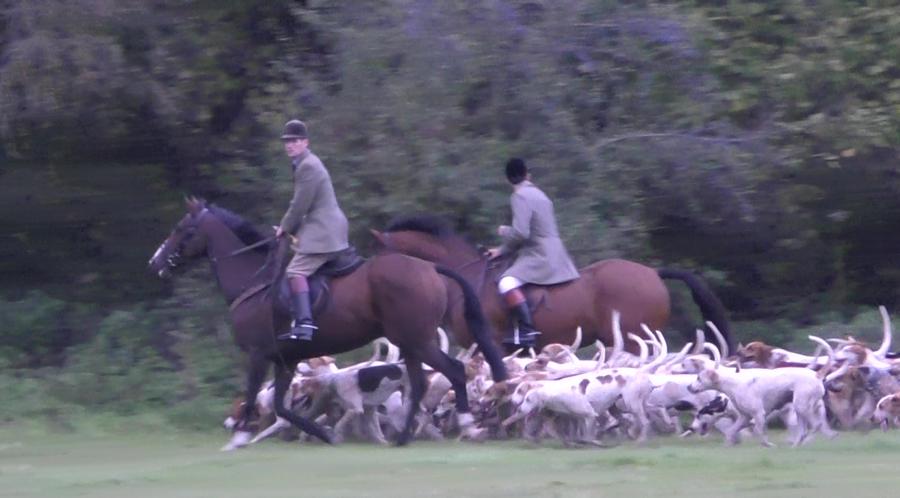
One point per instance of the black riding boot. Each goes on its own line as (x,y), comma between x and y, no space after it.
(302,327)
(523,335)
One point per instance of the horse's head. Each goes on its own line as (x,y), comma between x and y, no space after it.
(185,241)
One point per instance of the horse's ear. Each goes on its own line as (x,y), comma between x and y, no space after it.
(194,204)
(379,237)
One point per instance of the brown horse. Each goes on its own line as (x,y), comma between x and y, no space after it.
(635,290)
(396,296)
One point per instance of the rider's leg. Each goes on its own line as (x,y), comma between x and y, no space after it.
(300,267)
(523,334)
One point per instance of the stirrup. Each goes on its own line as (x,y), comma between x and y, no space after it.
(528,339)
(301,332)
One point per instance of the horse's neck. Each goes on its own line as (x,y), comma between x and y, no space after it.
(235,274)
(464,260)
(477,270)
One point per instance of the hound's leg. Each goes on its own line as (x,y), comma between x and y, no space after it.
(759,428)
(283,376)
(371,426)
(732,433)
(279,425)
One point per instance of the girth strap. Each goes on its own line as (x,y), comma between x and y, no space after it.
(247,294)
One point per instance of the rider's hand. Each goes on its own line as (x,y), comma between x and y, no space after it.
(492,253)
(278,232)
(503,229)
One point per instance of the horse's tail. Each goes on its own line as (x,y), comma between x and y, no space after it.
(477,324)
(710,306)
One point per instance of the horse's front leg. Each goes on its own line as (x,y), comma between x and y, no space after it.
(283,377)
(256,373)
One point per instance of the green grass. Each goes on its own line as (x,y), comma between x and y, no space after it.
(142,462)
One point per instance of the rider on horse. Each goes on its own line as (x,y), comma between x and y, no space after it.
(315,220)
(540,256)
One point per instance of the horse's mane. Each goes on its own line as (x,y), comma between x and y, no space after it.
(426,223)
(244,230)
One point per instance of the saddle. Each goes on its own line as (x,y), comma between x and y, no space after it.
(343,264)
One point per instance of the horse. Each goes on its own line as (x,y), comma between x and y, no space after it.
(635,290)
(396,296)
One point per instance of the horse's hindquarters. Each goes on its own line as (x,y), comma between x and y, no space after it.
(407,293)
(633,289)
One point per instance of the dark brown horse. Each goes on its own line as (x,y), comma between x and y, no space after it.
(396,296)
(635,290)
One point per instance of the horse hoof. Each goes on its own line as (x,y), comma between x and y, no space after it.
(238,440)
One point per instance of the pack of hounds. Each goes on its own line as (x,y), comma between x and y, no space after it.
(613,397)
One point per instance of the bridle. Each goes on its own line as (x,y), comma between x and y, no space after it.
(175,257)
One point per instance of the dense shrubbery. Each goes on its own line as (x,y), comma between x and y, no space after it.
(754,139)
(132,361)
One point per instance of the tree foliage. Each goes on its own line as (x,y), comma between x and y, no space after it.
(734,136)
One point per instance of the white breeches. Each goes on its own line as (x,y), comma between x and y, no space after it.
(509,283)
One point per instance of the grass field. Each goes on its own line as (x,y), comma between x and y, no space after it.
(152,463)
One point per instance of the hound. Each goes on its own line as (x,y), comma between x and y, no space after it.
(887,411)
(757,392)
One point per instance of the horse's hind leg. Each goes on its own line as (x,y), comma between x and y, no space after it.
(455,372)
(283,377)
(417,391)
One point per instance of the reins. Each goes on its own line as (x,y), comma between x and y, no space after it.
(251,247)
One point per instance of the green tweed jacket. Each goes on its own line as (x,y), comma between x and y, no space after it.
(541,257)
(314,216)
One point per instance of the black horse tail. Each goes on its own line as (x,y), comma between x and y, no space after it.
(477,324)
(710,306)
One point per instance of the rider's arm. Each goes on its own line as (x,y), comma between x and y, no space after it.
(520,231)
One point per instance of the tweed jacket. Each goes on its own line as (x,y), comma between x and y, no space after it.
(314,216)
(540,256)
